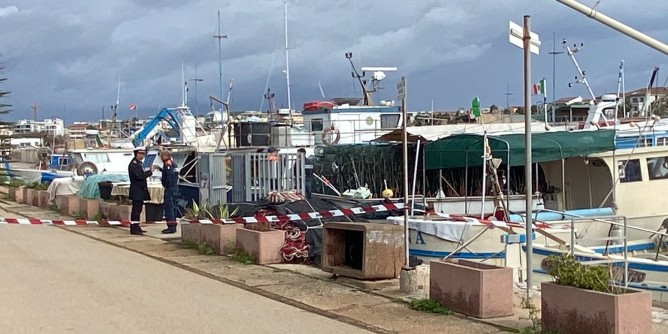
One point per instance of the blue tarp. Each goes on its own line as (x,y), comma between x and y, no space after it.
(90,189)
(48,177)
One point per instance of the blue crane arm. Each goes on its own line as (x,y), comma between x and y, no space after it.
(166,114)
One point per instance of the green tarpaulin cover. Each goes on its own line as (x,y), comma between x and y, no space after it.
(455,151)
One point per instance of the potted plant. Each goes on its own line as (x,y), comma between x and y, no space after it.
(192,231)
(582,300)
(261,242)
(222,232)
(17,190)
(42,195)
(4,184)
(472,288)
(31,194)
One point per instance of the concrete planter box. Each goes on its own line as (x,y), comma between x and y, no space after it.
(363,250)
(120,212)
(105,208)
(472,288)
(32,197)
(61,202)
(89,207)
(220,236)
(4,190)
(11,194)
(191,233)
(43,199)
(71,205)
(19,195)
(264,246)
(566,309)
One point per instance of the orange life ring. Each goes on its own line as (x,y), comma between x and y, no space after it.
(325,135)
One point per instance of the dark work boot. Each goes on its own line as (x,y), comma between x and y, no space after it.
(171,229)
(135,229)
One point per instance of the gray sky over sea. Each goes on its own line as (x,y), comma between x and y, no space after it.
(67,55)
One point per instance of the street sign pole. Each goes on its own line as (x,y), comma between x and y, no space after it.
(530,43)
(527,138)
(401,95)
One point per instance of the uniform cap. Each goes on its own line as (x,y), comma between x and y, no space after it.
(140,149)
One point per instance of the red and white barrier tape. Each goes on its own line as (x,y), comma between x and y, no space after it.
(34,221)
(255,219)
(278,218)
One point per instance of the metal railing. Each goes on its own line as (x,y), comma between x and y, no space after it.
(255,175)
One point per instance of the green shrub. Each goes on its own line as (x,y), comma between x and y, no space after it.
(242,256)
(205,249)
(429,305)
(566,270)
(16,183)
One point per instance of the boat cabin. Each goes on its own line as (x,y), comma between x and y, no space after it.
(331,124)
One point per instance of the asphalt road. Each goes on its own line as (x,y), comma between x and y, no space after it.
(55,281)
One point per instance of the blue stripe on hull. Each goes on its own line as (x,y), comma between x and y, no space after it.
(461,255)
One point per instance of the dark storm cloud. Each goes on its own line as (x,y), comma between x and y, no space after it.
(72,53)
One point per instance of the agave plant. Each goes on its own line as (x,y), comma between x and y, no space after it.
(195,211)
(223,211)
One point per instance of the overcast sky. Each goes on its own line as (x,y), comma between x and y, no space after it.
(67,55)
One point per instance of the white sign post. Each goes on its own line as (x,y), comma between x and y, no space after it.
(530,42)
(401,95)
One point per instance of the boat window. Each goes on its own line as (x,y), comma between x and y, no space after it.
(96,158)
(629,170)
(188,170)
(389,121)
(657,168)
(316,124)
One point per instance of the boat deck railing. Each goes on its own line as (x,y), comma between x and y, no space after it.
(599,219)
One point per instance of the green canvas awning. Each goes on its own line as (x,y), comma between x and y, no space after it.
(467,149)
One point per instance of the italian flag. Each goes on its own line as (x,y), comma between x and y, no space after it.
(540,87)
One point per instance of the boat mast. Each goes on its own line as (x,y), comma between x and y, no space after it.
(184,92)
(287,57)
(220,37)
(114,108)
(581,78)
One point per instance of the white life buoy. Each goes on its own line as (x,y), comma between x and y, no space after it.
(325,135)
(87,168)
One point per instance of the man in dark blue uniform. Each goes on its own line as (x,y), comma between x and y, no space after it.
(138,188)
(170,181)
(308,172)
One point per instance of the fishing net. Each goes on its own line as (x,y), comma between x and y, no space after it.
(90,189)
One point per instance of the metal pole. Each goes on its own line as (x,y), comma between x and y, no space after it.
(404,116)
(196,79)
(554,54)
(484,175)
(527,137)
(614,24)
(220,57)
(287,59)
(508,93)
